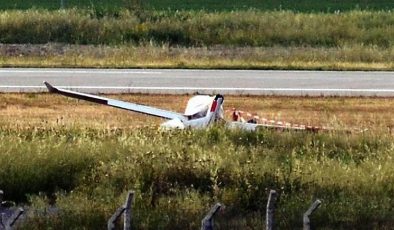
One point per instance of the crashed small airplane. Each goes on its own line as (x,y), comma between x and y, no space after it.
(201,111)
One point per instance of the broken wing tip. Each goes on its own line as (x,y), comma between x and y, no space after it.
(50,88)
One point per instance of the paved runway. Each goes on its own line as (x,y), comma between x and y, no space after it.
(245,82)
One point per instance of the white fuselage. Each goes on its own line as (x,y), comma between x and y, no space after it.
(200,112)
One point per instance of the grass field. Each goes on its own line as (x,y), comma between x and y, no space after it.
(183,28)
(41,110)
(89,156)
(211,5)
(357,35)
(251,39)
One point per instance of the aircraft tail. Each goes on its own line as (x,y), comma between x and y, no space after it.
(215,109)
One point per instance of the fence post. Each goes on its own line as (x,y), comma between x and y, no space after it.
(62,4)
(207,222)
(15,216)
(7,223)
(271,210)
(2,215)
(3,221)
(312,208)
(114,218)
(127,211)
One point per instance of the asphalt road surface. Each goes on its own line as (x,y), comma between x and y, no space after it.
(163,81)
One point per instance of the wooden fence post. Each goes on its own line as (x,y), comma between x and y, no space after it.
(15,216)
(207,222)
(127,211)
(3,220)
(269,222)
(1,196)
(114,218)
(312,208)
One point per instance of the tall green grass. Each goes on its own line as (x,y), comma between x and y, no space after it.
(178,175)
(210,5)
(199,28)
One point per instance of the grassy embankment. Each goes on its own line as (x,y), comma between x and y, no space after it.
(59,148)
(200,39)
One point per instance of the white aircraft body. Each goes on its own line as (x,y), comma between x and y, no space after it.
(201,111)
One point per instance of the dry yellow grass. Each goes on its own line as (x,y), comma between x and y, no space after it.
(152,56)
(51,110)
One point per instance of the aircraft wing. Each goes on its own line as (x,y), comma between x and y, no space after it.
(117,104)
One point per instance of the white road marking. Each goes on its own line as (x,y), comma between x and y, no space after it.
(204,88)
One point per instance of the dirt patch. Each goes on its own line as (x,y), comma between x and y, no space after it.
(16,50)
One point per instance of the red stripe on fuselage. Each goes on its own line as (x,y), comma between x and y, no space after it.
(214,105)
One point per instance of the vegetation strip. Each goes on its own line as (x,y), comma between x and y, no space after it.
(210,5)
(37,110)
(252,39)
(199,28)
(180,174)
(216,57)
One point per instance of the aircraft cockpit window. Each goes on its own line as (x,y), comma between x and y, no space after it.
(197,115)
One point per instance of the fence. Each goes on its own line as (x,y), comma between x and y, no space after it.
(9,216)
(207,222)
